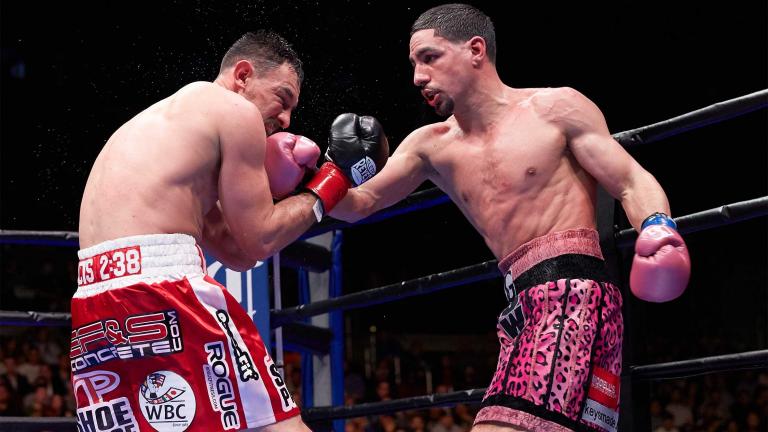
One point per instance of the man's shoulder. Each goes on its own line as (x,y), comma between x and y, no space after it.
(198,89)
(436,129)
(425,136)
(552,95)
(213,98)
(558,103)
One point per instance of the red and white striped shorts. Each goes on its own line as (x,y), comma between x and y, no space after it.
(157,344)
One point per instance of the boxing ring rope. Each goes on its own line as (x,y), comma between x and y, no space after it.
(678,369)
(712,114)
(727,214)
(37,424)
(723,215)
(698,366)
(33,319)
(707,219)
(45,238)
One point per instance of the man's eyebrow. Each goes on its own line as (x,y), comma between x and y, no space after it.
(288,93)
(419,53)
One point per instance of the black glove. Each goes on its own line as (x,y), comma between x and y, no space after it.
(358,146)
(357,150)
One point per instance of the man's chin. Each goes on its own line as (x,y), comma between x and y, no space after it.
(444,110)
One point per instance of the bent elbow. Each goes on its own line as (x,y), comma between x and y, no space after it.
(242,266)
(261,251)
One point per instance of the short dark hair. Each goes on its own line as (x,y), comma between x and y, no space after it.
(459,22)
(266,50)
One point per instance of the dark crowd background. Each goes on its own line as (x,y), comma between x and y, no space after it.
(74,72)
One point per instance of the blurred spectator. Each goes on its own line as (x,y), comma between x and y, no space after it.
(56,407)
(433,416)
(445,372)
(754,423)
(469,379)
(680,409)
(386,423)
(354,383)
(34,403)
(742,406)
(667,423)
(358,424)
(15,382)
(61,377)
(416,423)
(446,423)
(729,426)
(30,368)
(463,416)
(8,407)
(656,413)
(383,391)
(48,348)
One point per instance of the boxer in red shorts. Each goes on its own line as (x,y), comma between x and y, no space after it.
(523,166)
(156,343)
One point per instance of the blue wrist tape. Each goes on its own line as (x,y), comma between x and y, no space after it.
(658,219)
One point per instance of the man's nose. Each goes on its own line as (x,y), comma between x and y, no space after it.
(420,78)
(284,118)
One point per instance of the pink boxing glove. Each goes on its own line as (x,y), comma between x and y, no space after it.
(661,268)
(288,158)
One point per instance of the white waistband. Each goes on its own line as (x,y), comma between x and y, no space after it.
(143,258)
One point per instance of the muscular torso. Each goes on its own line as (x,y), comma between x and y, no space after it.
(514,182)
(156,174)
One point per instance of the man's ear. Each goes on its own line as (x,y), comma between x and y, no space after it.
(243,71)
(477,50)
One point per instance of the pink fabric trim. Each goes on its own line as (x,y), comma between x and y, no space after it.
(517,418)
(584,241)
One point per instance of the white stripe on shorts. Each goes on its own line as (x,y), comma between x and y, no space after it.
(254,397)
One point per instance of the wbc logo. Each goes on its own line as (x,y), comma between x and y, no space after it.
(167,401)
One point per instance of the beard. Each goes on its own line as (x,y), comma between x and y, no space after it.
(271,126)
(444,106)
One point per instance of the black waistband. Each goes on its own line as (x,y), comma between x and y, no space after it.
(568,266)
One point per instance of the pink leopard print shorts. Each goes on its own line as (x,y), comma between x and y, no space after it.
(560,358)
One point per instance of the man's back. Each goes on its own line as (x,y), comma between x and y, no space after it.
(158,172)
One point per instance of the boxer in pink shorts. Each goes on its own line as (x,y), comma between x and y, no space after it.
(560,357)
(523,165)
(156,344)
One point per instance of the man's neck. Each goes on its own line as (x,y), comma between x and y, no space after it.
(484,104)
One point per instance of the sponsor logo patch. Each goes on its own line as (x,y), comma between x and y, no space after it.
(285,396)
(97,413)
(167,401)
(511,319)
(242,359)
(151,334)
(221,392)
(363,170)
(602,404)
(109,265)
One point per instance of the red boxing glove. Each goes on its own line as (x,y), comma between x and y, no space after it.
(661,267)
(286,161)
(330,185)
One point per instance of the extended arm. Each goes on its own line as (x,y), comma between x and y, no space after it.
(405,170)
